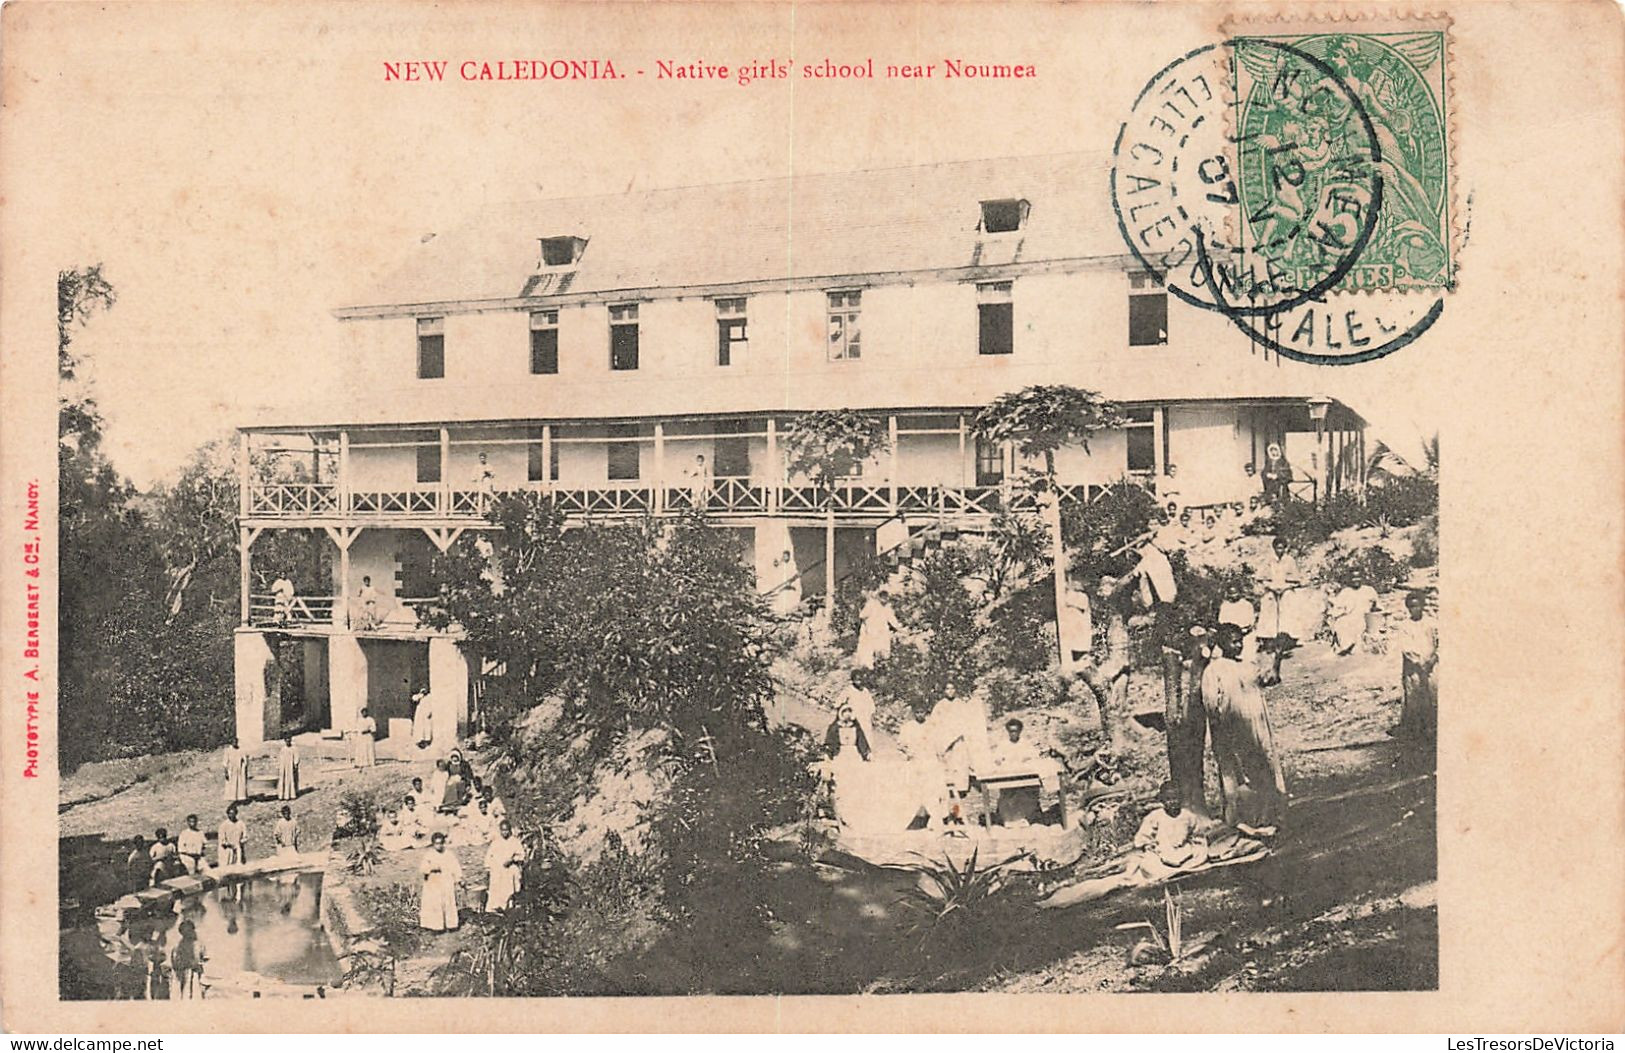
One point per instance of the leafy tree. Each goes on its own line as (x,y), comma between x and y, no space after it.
(826,446)
(1040,420)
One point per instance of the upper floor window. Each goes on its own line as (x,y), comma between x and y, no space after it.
(431,348)
(623,337)
(428,457)
(623,452)
(544,341)
(731,340)
(843,324)
(561,252)
(1147,310)
(989,462)
(1002,215)
(1141,435)
(996,319)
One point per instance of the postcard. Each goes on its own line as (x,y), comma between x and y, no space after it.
(757,516)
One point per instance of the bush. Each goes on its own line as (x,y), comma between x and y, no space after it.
(1022,636)
(1095,532)
(362,807)
(1425,543)
(1374,565)
(1403,500)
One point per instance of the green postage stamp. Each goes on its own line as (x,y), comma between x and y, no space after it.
(1344,145)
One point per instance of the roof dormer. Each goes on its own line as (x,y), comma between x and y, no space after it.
(562,250)
(1005,214)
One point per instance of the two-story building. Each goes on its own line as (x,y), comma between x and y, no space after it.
(640,354)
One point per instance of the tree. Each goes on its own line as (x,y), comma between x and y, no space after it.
(826,446)
(1039,420)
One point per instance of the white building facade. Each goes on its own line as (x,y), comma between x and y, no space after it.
(642,354)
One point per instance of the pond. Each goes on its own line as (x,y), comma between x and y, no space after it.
(263,927)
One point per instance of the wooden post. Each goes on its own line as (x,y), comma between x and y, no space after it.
(774,475)
(547,458)
(445,471)
(344,577)
(1007,457)
(1159,463)
(891,467)
(243,473)
(344,473)
(245,545)
(962,476)
(660,468)
(829,557)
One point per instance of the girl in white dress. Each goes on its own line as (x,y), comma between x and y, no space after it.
(441,873)
(505,862)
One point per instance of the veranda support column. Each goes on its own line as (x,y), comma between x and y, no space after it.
(891,467)
(448,685)
(660,468)
(257,688)
(775,476)
(346,680)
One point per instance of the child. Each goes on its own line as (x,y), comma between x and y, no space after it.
(190,846)
(1168,838)
(287,833)
(393,835)
(233,834)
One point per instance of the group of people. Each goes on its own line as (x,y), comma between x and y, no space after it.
(454,807)
(186,852)
(925,781)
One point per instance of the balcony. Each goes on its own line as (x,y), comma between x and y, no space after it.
(724,498)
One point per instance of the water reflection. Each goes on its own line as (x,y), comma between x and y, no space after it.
(267,925)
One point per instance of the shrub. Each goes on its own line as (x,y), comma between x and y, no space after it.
(1095,532)
(1403,500)
(362,807)
(1022,634)
(1374,565)
(1425,544)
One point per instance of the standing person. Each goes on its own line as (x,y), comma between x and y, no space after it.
(1348,610)
(441,873)
(1418,640)
(189,846)
(876,624)
(1074,627)
(369,599)
(422,718)
(485,484)
(439,779)
(186,961)
(235,763)
(233,838)
(157,965)
(1250,775)
(1278,606)
(287,775)
(286,833)
(1276,474)
(138,864)
(860,701)
(363,749)
(787,595)
(699,483)
(505,863)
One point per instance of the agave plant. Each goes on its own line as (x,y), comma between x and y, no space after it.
(1168,944)
(366,856)
(946,893)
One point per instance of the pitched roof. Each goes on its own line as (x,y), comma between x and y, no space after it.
(805,226)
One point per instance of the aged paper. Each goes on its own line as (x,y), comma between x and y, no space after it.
(1320,304)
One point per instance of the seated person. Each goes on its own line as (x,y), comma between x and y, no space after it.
(498,810)
(473,825)
(1168,838)
(425,816)
(394,835)
(438,780)
(456,793)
